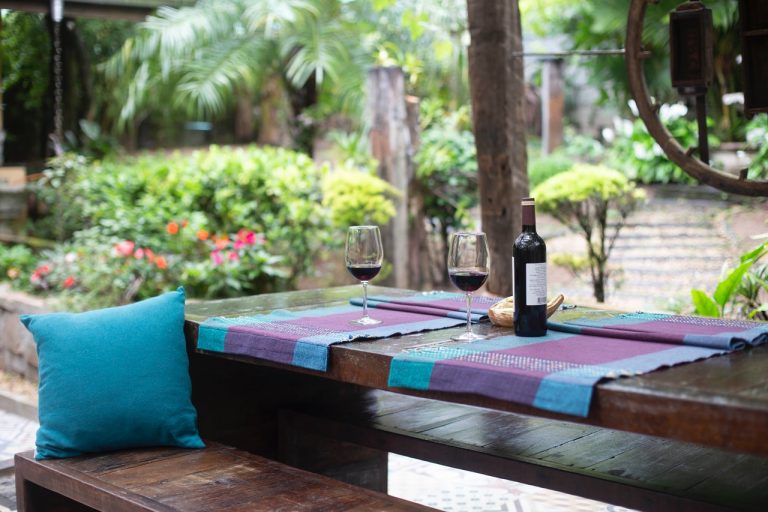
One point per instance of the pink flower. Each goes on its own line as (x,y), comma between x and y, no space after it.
(247,237)
(43,269)
(139,254)
(238,245)
(124,248)
(233,256)
(216,257)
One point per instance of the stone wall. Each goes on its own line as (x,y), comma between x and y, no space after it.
(17,348)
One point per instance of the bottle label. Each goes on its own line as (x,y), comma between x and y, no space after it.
(535,284)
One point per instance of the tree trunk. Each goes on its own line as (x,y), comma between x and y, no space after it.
(244,121)
(552,105)
(391,146)
(418,244)
(498,114)
(275,112)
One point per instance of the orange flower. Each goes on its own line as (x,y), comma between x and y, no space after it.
(161,263)
(222,242)
(149,255)
(172,228)
(69,282)
(202,235)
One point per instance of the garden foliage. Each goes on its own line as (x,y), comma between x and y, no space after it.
(585,199)
(222,222)
(743,292)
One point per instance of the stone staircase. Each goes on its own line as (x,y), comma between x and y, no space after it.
(667,247)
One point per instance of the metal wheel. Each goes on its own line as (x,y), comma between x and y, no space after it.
(682,157)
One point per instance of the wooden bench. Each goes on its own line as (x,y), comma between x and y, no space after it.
(172,479)
(620,468)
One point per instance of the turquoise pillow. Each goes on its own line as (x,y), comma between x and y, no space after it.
(114,378)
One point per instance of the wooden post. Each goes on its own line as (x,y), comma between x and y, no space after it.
(498,115)
(391,145)
(552,105)
(2,126)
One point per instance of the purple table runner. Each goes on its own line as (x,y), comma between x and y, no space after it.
(558,372)
(714,333)
(302,338)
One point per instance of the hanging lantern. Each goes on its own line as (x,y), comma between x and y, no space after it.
(690,39)
(754,30)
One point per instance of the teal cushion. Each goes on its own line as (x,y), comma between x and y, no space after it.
(114,378)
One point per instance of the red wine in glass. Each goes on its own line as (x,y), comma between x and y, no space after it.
(468,280)
(365,271)
(363,256)
(468,267)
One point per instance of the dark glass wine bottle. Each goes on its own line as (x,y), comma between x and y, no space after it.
(530,276)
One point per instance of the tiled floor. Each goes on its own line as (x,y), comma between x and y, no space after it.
(461,491)
(17,434)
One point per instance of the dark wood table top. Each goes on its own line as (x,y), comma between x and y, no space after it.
(720,402)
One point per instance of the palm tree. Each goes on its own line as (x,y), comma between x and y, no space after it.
(203,59)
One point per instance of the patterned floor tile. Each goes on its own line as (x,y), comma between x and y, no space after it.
(452,490)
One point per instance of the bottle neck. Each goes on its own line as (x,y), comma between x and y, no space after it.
(529,218)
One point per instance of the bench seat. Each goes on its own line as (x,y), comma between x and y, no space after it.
(621,468)
(173,479)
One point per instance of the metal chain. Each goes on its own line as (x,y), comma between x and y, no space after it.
(58,90)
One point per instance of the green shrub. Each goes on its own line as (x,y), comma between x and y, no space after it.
(544,167)
(743,291)
(757,138)
(582,199)
(355,198)
(223,222)
(638,155)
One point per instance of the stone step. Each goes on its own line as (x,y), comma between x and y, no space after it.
(657,257)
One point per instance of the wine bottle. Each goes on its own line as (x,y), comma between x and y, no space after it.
(529,264)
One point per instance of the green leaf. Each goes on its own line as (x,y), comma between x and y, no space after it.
(755,311)
(726,288)
(380,5)
(705,306)
(755,253)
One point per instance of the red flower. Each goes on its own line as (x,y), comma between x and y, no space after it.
(172,228)
(124,248)
(161,263)
(43,269)
(69,282)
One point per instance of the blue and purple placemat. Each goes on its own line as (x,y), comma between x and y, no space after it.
(302,338)
(663,328)
(558,372)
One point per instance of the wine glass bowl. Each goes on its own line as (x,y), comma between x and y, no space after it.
(363,256)
(468,268)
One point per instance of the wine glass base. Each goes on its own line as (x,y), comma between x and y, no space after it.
(468,336)
(366,320)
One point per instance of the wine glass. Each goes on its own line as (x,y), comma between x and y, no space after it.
(468,267)
(363,256)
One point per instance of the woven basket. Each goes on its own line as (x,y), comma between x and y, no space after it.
(502,313)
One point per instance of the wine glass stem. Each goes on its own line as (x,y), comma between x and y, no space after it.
(365,299)
(469,312)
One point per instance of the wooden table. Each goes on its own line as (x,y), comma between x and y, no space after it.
(721,402)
